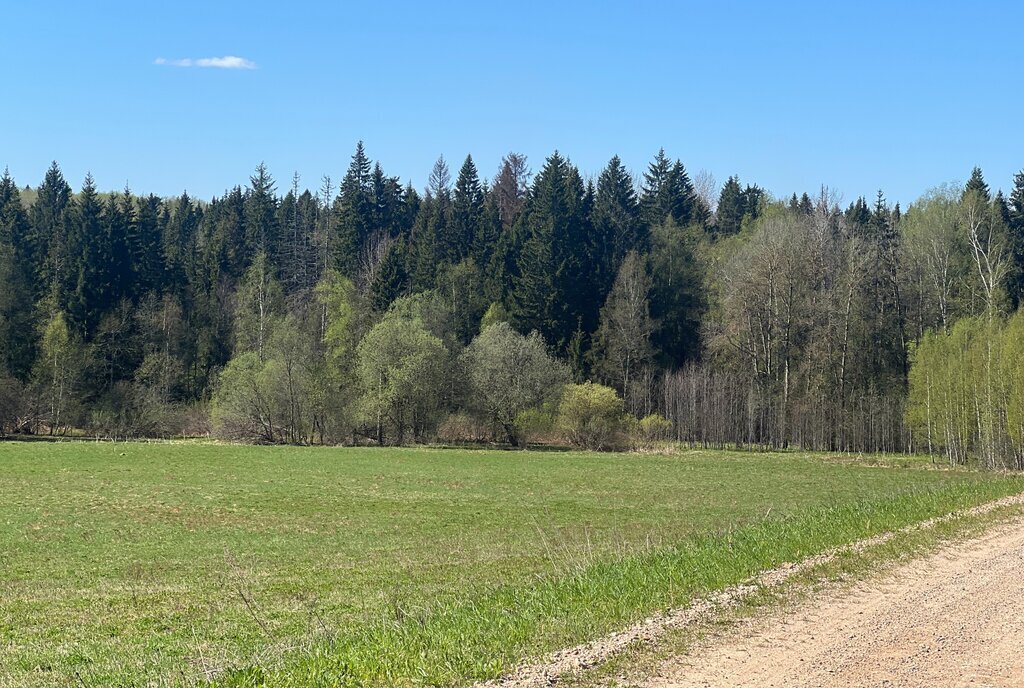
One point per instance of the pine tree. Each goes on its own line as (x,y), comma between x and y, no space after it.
(617,227)
(677,298)
(119,221)
(1015,225)
(806,205)
(667,192)
(467,210)
(176,239)
(731,208)
(261,226)
(977,184)
(16,347)
(392,278)
(353,213)
(47,245)
(551,290)
(89,262)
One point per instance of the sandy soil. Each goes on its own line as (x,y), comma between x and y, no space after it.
(955,618)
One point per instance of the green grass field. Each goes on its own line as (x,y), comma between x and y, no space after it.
(167,564)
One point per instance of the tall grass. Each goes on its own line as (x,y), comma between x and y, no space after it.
(454,641)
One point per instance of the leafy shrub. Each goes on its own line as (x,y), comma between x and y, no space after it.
(655,428)
(590,416)
(536,425)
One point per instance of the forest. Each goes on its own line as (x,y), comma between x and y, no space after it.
(516,309)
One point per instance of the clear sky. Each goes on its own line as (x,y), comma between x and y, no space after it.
(857,95)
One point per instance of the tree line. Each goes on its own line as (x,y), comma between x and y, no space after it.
(368,311)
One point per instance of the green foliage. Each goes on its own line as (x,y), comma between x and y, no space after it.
(977,185)
(668,193)
(336,295)
(807,311)
(16,349)
(678,299)
(495,313)
(965,391)
(616,224)
(623,340)
(653,429)
(537,425)
(509,374)
(259,302)
(551,290)
(731,208)
(460,287)
(590,415)
(468,216)
(58,371)
(353,212)
(286,395)
(401,367)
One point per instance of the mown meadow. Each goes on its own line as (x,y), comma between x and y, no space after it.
(183,563)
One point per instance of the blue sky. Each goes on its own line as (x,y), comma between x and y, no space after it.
(859,96)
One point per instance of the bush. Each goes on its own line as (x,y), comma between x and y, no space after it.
(535,425)
(590,416)
(460,428)
(651,431)
(131,410)
(509,373)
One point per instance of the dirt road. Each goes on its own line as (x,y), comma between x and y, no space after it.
(955,618)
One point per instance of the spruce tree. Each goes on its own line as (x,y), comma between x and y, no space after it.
(467,209)
(551,290)
(677,298)
(617,226)
(731,208)
(175,240)
(426,249)
(392,278)
(388,212)
(229,252)
(806,205)
(47,245)
(1015,227)
(353,213)
(977,183)
(667,192)
(261,225)
(120,223)
(89,246)
(147,230)
(16,346)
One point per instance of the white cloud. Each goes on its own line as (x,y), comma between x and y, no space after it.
(226,62)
